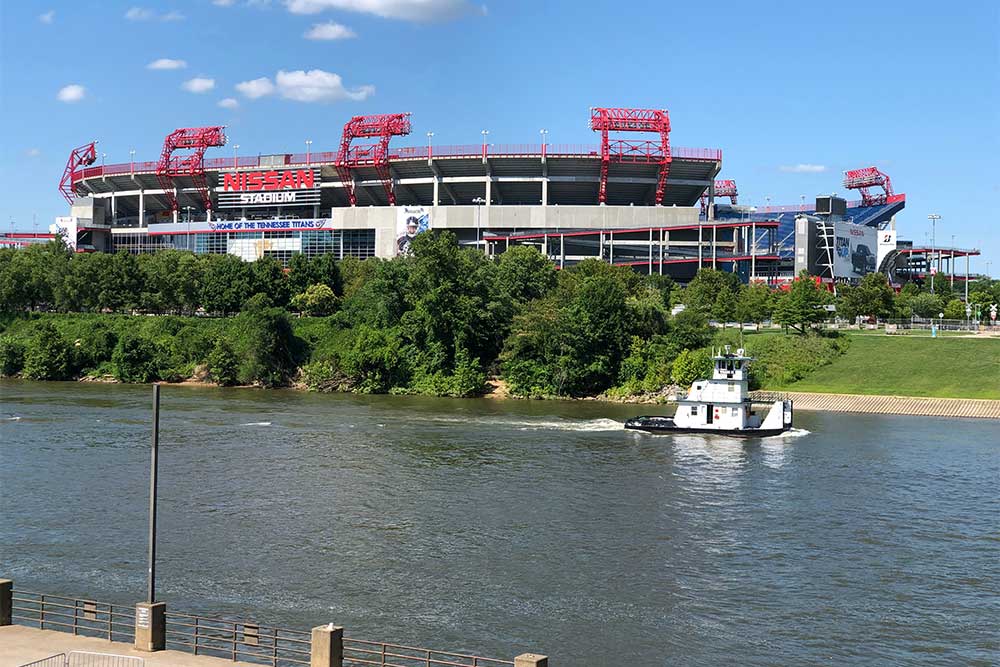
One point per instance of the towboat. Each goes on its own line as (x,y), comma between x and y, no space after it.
(722,405)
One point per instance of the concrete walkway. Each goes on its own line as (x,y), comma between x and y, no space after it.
(20,645)
(897,405)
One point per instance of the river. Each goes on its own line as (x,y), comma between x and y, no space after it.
(499,527)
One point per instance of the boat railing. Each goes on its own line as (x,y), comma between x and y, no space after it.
(768,397)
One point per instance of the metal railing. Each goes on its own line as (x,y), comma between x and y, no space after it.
(237,640)
(80,617)
(57,660)
(87,659)
(361,652)
(399,153)
(91,659)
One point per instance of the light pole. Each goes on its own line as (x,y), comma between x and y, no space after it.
(131,159)
(933,217)
(430,135)
(543,132)
(802,206)
(308,151)
(154,453)
(103,157)
(485,134)
(236,147)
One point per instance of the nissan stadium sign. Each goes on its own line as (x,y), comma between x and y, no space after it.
(272,187)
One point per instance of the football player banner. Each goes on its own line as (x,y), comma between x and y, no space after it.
(410,221)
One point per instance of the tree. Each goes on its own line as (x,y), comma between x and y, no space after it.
(927,305)
(954,310)
(712,293)
(691,365)
(268,277)
(802,305)
(872,297)
(524,274)
(304,271)
(318,300)
(755,303)
(225,283)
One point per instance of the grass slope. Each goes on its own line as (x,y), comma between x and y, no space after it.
(904,366)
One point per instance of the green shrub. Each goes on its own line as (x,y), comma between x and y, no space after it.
(222,363)
(11,356)
(95,345)
(135,359)
(781,360)
(49,356)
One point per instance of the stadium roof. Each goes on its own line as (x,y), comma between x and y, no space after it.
(516,173)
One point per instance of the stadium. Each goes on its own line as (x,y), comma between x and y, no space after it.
(632,199)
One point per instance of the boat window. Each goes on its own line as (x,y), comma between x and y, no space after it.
(694,409)
(732,387)
(736,412)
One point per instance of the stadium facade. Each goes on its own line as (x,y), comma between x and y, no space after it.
(631,199)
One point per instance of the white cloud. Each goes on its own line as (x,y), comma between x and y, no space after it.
(48,16)
(71,93)
(223,3)
(229,103)
(167,63)
(405,10)
(256,88)
(139,14)
(802,168)
(146,14)
(315,85)
(32,152)
(199,84)
(329,31)
(318,86)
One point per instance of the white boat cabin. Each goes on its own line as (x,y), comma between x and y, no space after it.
(723,401)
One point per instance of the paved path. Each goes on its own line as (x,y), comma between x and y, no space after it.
(897,405)
(20,645)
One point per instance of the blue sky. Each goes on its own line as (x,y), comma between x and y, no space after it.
(911,87)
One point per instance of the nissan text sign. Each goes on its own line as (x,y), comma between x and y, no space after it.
(252,189)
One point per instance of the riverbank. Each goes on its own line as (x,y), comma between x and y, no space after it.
(897,405)
(880,365)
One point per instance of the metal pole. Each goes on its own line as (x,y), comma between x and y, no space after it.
(933,217)
(967,278)
(151,591)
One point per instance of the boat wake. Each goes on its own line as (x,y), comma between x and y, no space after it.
(11,419)
(256,424)
(790,433)
(586,425)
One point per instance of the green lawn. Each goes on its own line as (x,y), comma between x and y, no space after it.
(911,366)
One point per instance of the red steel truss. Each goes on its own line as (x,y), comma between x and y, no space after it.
(383,126)
(83,156)
(725,188)
(192,165)
(605,120)
(865,178)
